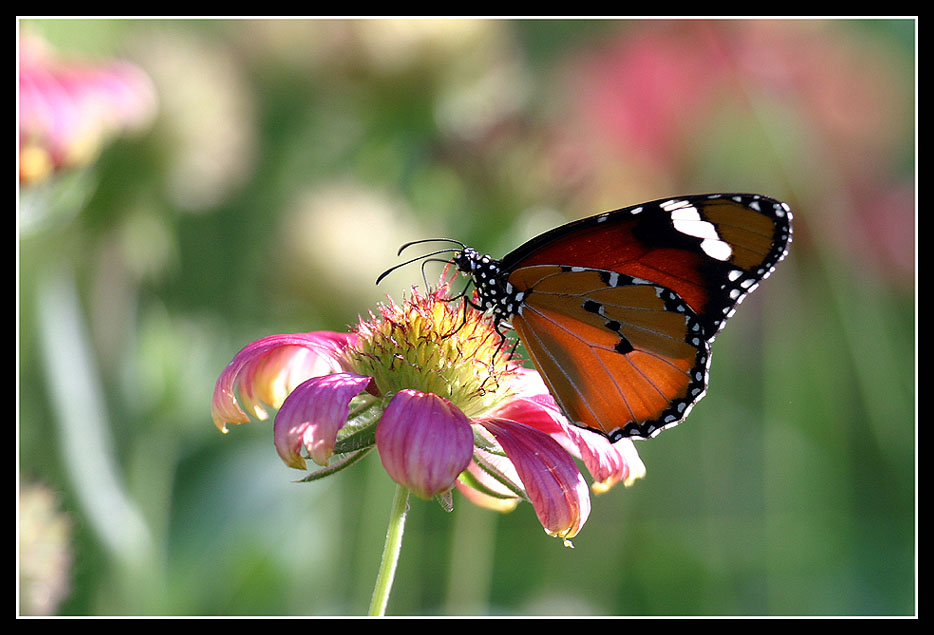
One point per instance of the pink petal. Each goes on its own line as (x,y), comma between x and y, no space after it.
(608,463)
(424,442)
(554,484)
(542,413)
(312,415)
(538,411)
(267,370)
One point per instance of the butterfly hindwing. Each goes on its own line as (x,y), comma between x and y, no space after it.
(622,356)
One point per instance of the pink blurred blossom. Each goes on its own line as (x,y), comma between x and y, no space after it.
(69,108)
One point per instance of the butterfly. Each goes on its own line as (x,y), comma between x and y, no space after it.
(618,311)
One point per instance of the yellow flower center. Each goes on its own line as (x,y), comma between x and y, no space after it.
(434,345)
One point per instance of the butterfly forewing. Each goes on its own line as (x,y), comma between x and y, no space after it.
(711,249)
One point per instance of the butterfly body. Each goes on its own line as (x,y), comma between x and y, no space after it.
(618,311)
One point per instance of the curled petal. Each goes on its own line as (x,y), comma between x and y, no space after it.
(312,415)
(608,463)
(267,370)
(549,474)
(635,468)
(424,442)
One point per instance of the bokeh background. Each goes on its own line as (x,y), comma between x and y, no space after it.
(256,176)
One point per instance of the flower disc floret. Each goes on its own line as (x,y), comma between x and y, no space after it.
(432,345)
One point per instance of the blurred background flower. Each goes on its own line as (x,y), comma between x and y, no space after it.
(286,162)
(69,108)
(45,551)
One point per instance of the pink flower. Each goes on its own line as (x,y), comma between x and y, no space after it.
(434,389)
(67,109)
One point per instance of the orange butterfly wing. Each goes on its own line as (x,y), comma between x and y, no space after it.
(622,356)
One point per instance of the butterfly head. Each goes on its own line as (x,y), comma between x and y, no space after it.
(478,267)
(494,292)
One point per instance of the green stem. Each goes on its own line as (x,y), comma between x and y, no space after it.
(391,549)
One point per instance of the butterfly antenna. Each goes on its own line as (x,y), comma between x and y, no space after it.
(431,240)
(408,262)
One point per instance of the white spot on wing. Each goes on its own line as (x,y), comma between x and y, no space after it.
(687,220)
